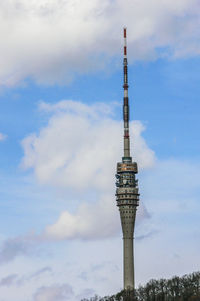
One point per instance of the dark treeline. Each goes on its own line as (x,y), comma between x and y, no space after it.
(186,288)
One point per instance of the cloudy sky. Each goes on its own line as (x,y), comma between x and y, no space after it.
(61,137)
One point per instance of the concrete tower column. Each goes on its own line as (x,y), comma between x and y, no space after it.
(127,216)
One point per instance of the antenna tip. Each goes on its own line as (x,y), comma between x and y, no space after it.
(124,32)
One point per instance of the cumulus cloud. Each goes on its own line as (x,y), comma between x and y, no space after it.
(51,41)
(91,221)
(54,293)
(80,146)
(87,223)
(78,149)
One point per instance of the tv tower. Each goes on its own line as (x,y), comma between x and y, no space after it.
(127,195)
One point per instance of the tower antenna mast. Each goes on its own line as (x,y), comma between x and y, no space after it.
(126,104)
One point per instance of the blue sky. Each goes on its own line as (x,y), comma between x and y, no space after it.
(61,136)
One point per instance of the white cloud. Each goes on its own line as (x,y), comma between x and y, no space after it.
(79,149)
(51,41)
(91,221)
(87,223)
(2,137)
(54,293)
(80,146)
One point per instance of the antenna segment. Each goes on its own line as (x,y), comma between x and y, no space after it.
(126,104)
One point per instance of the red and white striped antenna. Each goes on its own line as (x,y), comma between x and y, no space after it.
(126,104)
(125,44)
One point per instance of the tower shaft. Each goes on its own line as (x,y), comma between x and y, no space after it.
(127,195)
